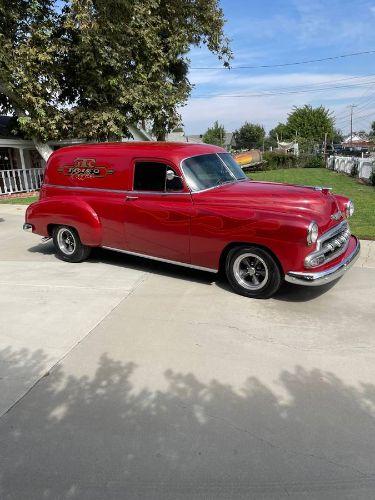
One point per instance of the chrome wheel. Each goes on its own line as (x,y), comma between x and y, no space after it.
(66,241)
(250,271)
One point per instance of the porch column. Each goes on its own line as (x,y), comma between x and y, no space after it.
(23,167)
(22,157)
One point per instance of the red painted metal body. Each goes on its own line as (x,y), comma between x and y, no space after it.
(188,227)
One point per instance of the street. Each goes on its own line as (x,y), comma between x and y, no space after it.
(133,379)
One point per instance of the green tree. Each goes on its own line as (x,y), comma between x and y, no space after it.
(215,135)
(95,67)
(337,137)
(249,136)
(281,132)
(29,86)
(311,123)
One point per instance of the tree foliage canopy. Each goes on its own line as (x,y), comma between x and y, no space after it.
(215,135)
(281,132)
(310,123)
(93,67)
(249,136)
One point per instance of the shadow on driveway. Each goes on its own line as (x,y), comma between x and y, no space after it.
(95,438)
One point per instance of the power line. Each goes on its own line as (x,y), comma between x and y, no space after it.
(295,63)
(370,98)
(363,103)
(283,92)
(362,117)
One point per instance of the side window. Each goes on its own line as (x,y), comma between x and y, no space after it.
(152,176)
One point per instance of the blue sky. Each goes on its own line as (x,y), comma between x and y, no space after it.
(274,32)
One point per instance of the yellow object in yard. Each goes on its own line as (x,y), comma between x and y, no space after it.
(248,157)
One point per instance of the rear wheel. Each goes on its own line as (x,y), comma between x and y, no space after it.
(253,272)
(68,244)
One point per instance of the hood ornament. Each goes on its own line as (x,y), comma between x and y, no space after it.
(323,189)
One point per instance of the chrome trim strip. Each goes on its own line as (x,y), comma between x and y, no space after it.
(323,277)
(199,268)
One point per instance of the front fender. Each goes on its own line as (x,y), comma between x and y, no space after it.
(73,212)
(342,202)
(213,230)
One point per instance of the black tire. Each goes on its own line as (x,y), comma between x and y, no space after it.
(68,244)
(252,272)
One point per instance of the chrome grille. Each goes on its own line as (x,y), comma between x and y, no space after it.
(330,245)
(337,242)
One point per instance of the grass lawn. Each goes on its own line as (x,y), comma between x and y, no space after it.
(19,201)
(363,222)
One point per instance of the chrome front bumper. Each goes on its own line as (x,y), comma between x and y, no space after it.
(326,276)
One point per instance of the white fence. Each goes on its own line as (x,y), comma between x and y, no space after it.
(20,180)
(346,163)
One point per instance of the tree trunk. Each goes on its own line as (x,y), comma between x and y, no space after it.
(43,149)
(161,135)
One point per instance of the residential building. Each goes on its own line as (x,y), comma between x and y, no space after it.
(21,166)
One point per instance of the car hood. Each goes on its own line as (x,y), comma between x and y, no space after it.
(313,203)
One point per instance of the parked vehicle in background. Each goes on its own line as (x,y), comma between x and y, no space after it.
(349,151)
(192,205)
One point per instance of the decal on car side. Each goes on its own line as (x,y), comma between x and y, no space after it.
(85,168)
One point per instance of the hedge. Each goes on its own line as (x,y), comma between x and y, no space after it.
(275,160)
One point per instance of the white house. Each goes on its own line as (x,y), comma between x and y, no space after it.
(22,167)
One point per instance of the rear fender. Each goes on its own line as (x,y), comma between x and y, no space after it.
(70,212)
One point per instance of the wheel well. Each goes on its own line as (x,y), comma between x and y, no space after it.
(50,228)
(238,244)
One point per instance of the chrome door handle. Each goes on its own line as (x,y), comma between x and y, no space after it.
(131,198)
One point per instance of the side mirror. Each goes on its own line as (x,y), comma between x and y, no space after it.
(170,175)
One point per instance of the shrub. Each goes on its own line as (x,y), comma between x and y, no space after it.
(312,161)
(372,177)
(277,160)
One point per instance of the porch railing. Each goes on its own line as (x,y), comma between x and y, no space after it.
(20,180)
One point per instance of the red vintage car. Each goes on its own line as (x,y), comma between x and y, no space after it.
(192,205)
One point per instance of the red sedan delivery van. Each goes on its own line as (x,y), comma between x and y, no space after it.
(192,205)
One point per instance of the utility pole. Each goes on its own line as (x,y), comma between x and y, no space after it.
(325,146)
(352,106)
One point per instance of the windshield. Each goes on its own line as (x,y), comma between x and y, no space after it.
(210,170)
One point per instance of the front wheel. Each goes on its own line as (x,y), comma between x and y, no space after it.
(253,272)
(68,244)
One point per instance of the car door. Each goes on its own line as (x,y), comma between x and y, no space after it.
(158,212)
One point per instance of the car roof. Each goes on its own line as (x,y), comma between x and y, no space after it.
(176,151)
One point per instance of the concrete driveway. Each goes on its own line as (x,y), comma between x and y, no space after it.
(122,378)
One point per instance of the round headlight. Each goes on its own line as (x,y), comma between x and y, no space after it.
(349,210)
(312,233)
